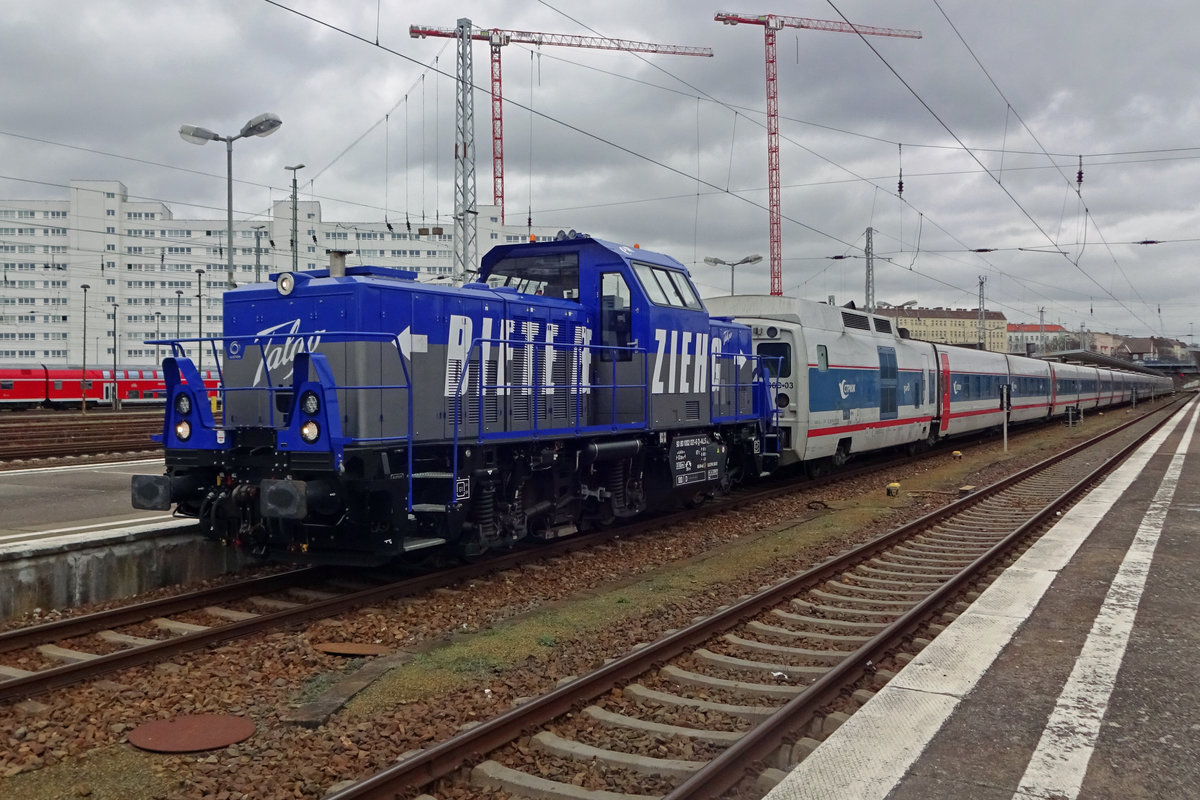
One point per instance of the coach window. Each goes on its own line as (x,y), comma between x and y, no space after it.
(616,317)
(776,359)
(822,358)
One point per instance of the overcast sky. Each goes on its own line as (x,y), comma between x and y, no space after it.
(987,115)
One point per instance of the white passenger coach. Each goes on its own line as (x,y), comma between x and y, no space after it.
(849,382)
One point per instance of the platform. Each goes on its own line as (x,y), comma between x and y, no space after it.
(1074,675)
(68,537)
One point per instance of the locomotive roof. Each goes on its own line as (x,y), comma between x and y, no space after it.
(580,243)
(599,249)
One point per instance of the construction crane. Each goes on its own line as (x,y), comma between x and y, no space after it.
(771,24)
(498,38)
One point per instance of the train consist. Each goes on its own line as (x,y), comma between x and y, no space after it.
(847,382)
(41,386)
(365,416)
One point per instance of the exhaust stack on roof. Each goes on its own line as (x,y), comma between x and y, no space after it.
(337,262)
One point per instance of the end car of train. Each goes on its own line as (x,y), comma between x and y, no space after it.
(43,386)
(365,416)
(848,381)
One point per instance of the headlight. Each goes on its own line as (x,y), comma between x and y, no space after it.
(782,400)
(310,431)
(286,283)
(183,430)
(310,403)
(183,404)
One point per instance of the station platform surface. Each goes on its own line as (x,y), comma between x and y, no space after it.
(1076,674)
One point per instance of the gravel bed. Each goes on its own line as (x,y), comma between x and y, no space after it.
(527,757)
(686,718)
(716,694)
(790,659)
(264,676)
(624,740)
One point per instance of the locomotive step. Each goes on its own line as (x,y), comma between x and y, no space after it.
(420,544)
(439,508)
(445,475)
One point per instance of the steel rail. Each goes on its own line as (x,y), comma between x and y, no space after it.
(735,763)
(83,625)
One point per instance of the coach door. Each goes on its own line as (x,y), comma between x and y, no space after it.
(926,383)
(888,380)
(945,409)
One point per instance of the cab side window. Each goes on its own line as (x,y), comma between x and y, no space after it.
(822,358)
(776,358)
(616,317)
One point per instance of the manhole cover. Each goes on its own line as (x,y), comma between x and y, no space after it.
(352,648)
(191,733)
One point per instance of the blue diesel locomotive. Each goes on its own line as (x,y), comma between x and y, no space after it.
(363,416)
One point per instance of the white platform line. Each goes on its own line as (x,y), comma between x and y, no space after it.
(1059,764)
(866,758)
(79,467)
(116,523)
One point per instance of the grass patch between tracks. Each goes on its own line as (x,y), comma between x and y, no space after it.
(118,772)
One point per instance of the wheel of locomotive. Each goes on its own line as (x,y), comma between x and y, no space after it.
(471,547)
(598,514)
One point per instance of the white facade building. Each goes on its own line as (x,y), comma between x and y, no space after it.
(162,277)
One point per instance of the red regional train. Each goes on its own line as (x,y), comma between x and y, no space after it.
(41,386)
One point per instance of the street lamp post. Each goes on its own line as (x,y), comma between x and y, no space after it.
(295,232)
(116,395)
(200,320)
(178,300)
(83,380)
(258,229)
(262,125)
(157,335)
(754,259)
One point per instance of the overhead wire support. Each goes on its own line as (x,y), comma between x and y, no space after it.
(497,38)
(465,213)
(772,23)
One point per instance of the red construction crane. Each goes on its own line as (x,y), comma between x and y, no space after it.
(772,23)
(498,38)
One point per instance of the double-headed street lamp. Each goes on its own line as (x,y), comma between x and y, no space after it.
(262,125)
(754,259)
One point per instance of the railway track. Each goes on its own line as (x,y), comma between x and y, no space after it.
(31,435)
(724,705)
(54,655)
(41,658)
